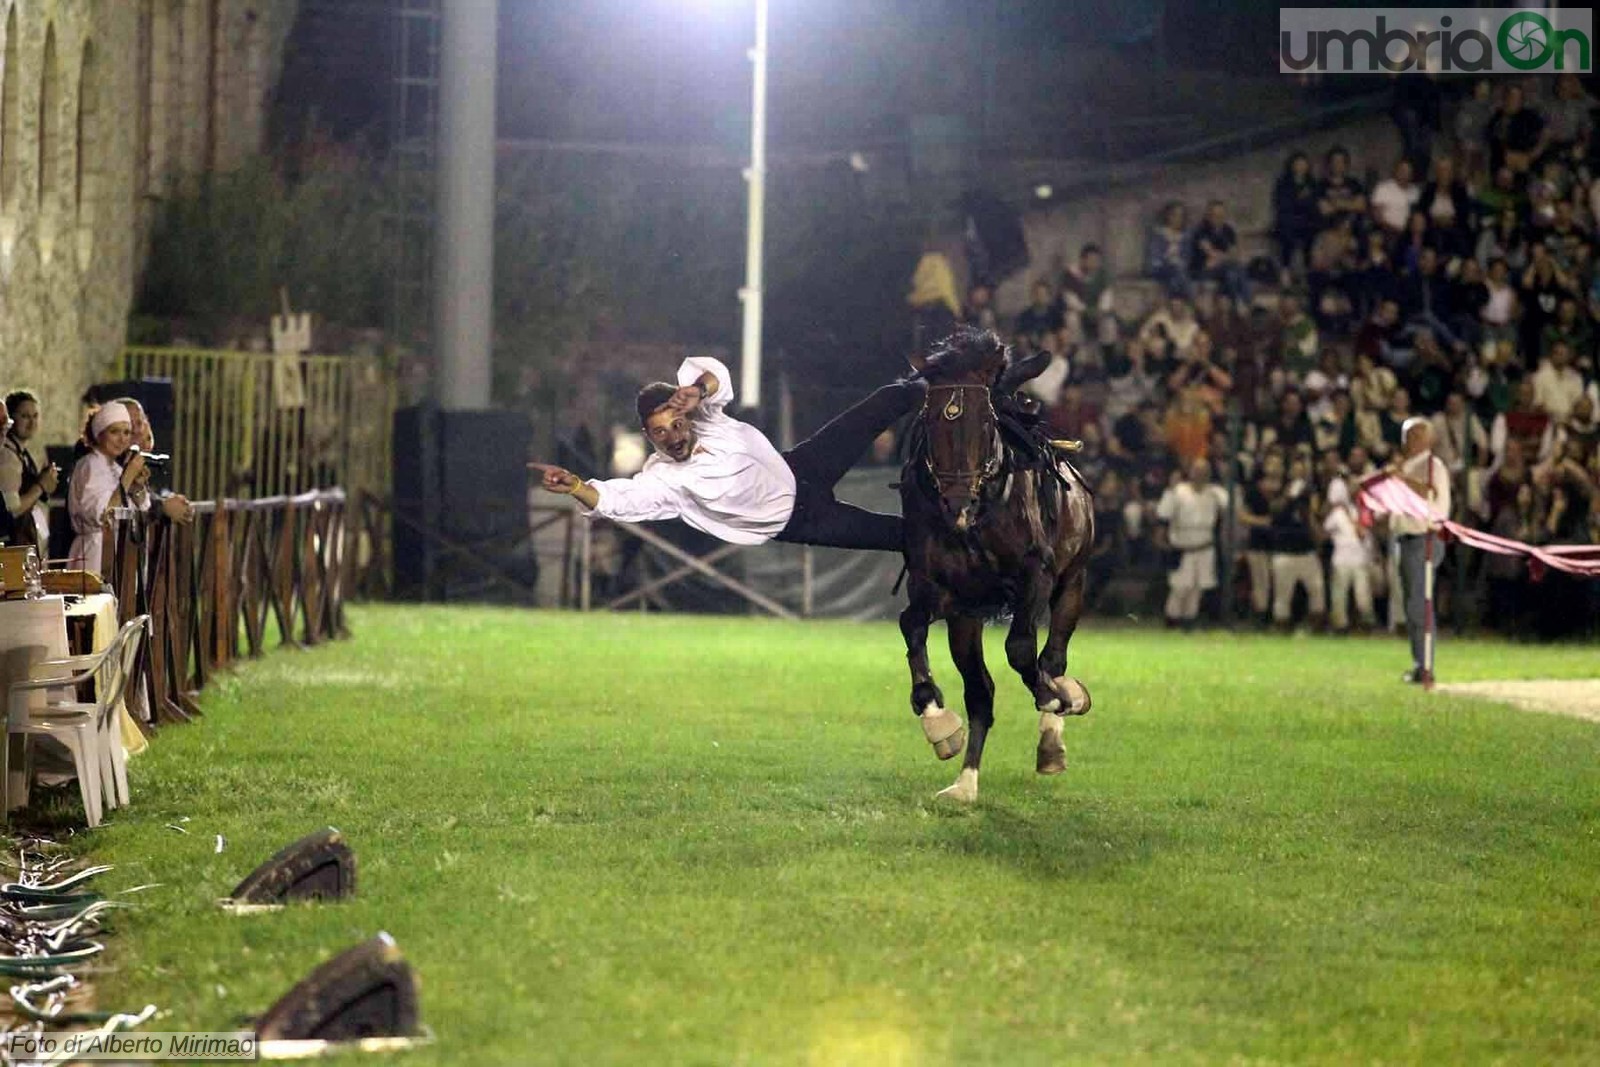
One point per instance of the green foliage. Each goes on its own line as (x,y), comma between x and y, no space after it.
(666,839)
(220,253)
(587,248)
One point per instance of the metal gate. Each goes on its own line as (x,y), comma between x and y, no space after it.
(251,425)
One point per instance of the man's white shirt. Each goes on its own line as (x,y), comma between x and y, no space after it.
(734,486)
(1429,469)
(1193,513)
(1556,390)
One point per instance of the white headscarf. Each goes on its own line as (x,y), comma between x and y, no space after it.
(108,415)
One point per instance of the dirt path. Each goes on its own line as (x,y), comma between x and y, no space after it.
(1578,698)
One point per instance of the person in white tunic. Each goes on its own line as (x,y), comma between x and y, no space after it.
(1427,474)
(1352,561)
(1191,509)
(723,477)
(100,483)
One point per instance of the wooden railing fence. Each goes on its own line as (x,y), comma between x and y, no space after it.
(214,588)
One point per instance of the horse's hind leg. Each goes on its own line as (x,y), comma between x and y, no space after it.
(941,726)
(966,648)
(1067,695)
(1022,649)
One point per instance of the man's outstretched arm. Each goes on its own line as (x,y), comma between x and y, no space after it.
(642,498)
(559,480)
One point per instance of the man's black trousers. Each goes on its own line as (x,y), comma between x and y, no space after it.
(822,459)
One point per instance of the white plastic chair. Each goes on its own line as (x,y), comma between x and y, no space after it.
(90,732)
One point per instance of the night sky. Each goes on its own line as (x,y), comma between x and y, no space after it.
(843,72)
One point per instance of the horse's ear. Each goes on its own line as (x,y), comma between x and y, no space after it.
(1022,370)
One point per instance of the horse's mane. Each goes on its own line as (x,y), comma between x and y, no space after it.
(967,351)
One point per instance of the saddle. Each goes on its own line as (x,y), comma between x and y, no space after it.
(1022,419)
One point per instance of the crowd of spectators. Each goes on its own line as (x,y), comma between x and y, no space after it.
(1459,283)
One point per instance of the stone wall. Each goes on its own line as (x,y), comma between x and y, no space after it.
(106,106)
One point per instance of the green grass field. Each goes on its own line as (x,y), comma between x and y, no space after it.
(660,840)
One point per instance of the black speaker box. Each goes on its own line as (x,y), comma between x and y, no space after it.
(414,454)
(461,505)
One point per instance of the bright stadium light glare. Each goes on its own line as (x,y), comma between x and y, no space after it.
(1043,192)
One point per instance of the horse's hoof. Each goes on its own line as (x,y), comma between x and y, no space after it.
(942,727)
(951,746)
(1052,753)
(1073,696)
(965,789)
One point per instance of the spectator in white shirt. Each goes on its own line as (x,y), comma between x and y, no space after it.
(1174,326)
(723,477)
(1351,566)
(1394,197)
(1499,312)
(1191,509)
(1557,385)
(101,483)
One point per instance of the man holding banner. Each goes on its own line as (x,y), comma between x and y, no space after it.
(1420,548)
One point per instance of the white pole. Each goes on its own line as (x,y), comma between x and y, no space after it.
(464,234)
(756,176)
(1428,618)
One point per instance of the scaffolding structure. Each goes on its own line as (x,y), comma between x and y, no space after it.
(413,143)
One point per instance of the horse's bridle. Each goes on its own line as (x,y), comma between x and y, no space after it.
(953,410)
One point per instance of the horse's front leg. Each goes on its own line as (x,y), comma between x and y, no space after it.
(941,726)
(1066,695)
(966,648)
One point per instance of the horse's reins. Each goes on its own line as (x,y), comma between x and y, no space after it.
(953,411)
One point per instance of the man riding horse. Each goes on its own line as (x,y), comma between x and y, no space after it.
(993,523)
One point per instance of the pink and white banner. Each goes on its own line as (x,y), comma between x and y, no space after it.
(1386,494)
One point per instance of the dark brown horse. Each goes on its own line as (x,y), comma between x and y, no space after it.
(996,525)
